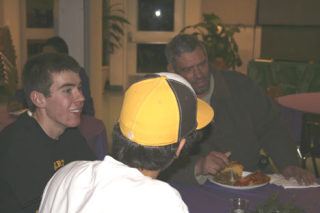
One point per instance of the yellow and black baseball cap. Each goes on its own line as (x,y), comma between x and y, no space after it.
(161,110)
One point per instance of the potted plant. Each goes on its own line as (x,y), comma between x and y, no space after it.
(112,29)
(219,41)
(8,70)
(273,204)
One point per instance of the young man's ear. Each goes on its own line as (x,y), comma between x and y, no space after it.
(170,68)
(180,147)
(38,99)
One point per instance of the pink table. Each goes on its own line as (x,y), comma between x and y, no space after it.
(306,102)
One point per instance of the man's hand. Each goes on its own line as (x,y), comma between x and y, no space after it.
(302,176)
(212,163)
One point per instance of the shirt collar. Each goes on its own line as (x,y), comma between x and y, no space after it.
(207,97)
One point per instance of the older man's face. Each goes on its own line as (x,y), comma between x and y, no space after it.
(193,66)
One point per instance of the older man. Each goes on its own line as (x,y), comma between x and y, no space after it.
(43,139)
(246,119)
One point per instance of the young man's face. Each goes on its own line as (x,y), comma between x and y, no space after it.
(64,104)
(193,66)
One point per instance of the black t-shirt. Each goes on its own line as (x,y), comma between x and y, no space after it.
(29,158)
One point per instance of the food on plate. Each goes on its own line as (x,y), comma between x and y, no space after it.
(232,175)
(235,167)
(255,178)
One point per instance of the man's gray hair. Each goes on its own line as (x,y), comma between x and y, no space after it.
(180,44)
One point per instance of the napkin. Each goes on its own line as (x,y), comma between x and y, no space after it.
(290,183)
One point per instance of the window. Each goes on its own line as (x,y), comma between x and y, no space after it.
(155,15)
(153,24)
(39,13)
(38,25)
(151,58)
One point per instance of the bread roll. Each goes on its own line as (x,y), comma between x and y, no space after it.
(234,167)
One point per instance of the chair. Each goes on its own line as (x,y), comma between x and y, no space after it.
(293,120)
(310,142)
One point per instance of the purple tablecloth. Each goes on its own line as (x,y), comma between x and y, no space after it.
(211,198)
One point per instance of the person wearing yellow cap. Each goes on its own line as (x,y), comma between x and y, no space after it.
(159,116)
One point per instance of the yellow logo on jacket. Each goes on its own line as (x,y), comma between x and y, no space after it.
(58,164)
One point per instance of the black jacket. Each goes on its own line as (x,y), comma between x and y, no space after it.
(29,158)
(246,121)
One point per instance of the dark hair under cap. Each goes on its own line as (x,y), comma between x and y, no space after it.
(58,44)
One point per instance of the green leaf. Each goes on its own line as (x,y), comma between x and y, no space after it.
(218,39)
(113,27)
(273,204)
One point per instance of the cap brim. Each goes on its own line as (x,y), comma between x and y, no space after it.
(205,114)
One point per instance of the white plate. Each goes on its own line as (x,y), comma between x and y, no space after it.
(238,187)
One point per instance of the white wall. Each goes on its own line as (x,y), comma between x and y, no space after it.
(249,42)
(1,12)
(93,53)
(80,24)
(70,26)
(192,13)
(232,11)
(118,62)
(241,12)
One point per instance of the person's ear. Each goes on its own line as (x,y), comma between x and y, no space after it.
(170,68)
(180,147)
(38,99)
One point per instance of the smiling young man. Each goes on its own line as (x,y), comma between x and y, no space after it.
(43,139)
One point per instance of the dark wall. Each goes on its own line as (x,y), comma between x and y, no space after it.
(290,29)
(289,12)
(291,43)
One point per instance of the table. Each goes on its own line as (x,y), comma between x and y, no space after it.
(211,198)
(309,133)
(306,102)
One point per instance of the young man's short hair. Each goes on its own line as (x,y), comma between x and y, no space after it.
(37,72)
(58,44)
(146,157)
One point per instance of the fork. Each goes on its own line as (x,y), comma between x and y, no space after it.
(232,179)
